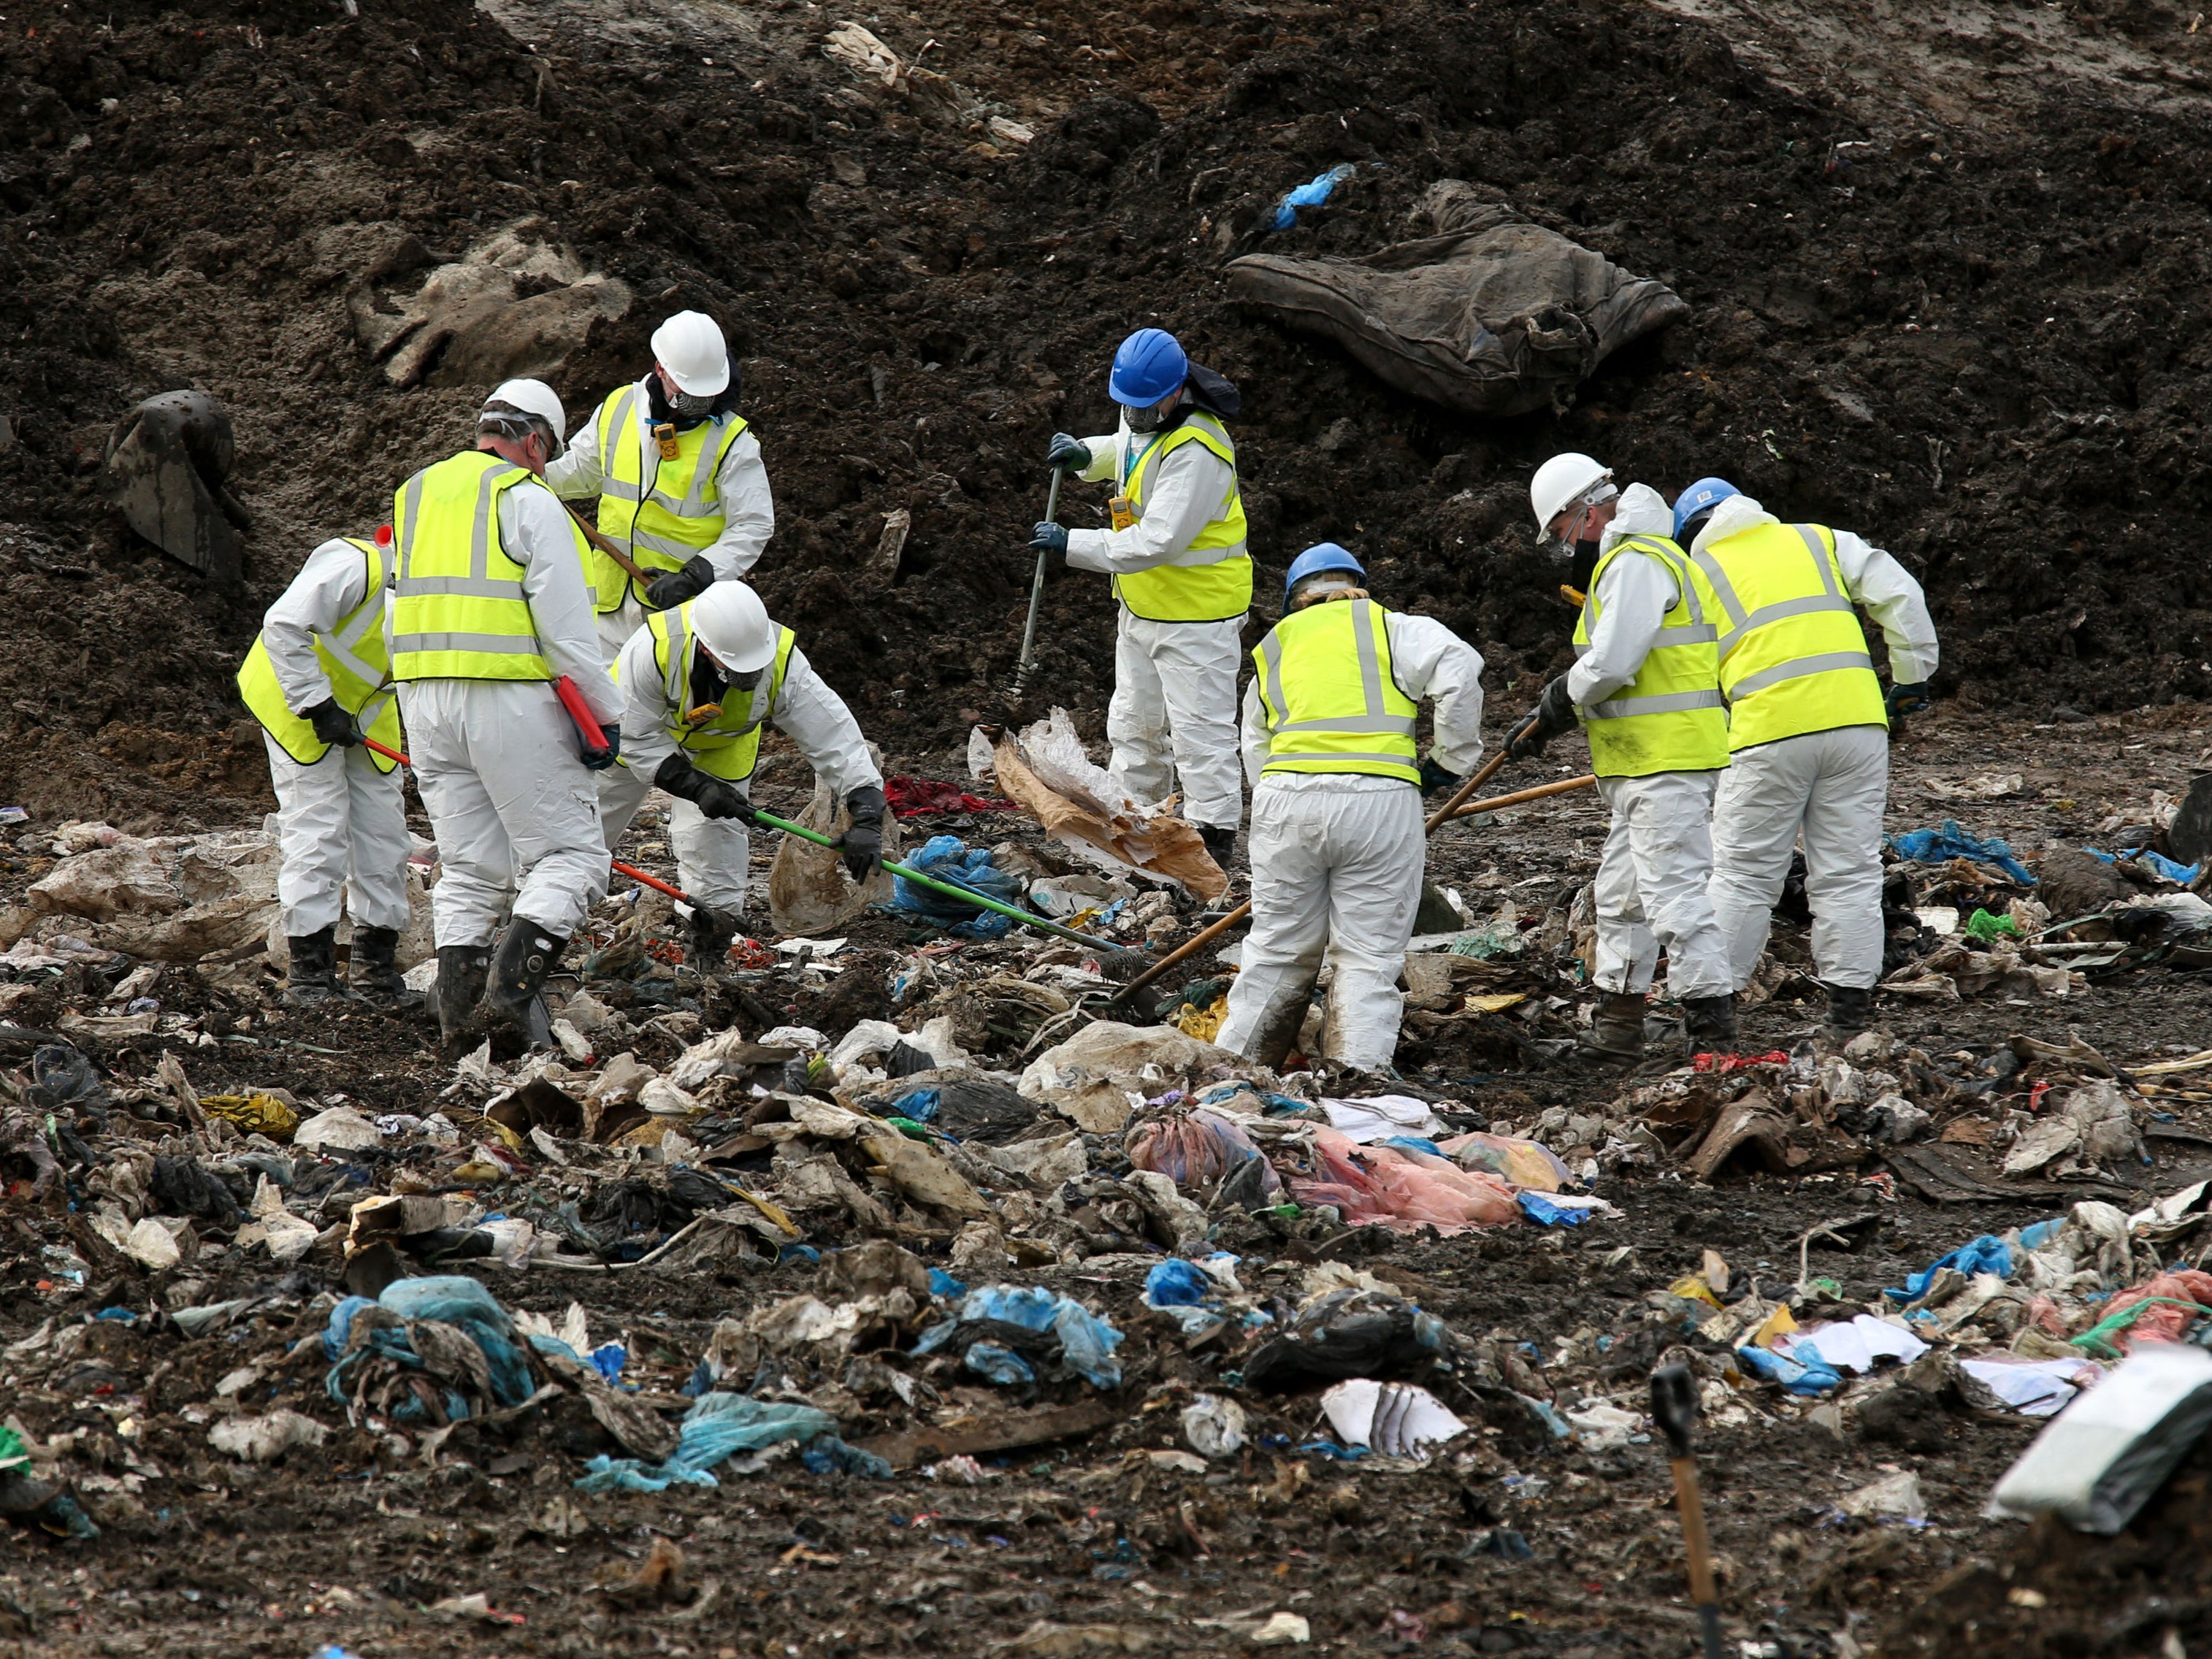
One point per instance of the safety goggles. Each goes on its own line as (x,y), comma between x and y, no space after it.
(1567,529)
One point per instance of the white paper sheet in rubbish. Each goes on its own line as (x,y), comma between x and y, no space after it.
(2034,1388)
(1396,1419)
(1856,1347)
(1381,1116)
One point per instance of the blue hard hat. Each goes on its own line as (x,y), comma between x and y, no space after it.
(1701,497)
(1149,366)
(1322,555)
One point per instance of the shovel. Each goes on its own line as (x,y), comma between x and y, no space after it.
(1674,1409)
(1036,598)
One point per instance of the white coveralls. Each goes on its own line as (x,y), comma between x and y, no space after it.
(341,823)
(1829,787)
(1653,876)
(713,855)
(1173,716)
(1337,859)
(514,811)
(748,509)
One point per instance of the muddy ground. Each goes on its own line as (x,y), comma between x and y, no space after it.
(1946,280)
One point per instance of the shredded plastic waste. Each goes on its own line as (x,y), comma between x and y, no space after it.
(716,1428)
(1035,1325)
(1312,193)
(1940,846)
(949,858)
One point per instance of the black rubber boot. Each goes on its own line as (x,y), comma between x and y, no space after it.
(312,977)
(1220,841)
(1851,1011)
(527,955)
(375,973)
(711,934)
(462,969)
(1709,1023)
(1616,1032)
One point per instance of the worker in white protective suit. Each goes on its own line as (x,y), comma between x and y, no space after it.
(1338,842)
(317,679)
(698,682)
(682,490)
(1808,728)
(488,611)
(1646,687)
(1176,555)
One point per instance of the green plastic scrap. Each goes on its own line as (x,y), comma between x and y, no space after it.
(2097,1339)
(1487,943)
(1990,928)
(910,1129)
(12,1453)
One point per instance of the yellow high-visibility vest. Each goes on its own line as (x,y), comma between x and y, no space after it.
(1793,657)
(1191,593)
(354,661)
(1671,717)
(725,744)
(458,611)
(662,524)
(1331,703)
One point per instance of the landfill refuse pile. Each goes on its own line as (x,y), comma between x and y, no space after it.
(904,1276)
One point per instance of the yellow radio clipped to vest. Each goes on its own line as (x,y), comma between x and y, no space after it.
(664,433)
(703,714)
(1124,512)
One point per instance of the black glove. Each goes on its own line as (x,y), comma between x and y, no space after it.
(1071,455)
(1554,713)
(1051,540)
(1907,699)
(332,725)
(863,841)
(670,591)
(710,794)
(598,759)
(1434,777)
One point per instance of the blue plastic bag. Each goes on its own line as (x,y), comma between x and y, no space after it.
(1986,1254)
(920,1104)
(717,1426)
(1806,1377)
(1087,1341)
(942,1283)
(1937,846)
(995,1362)
(830,1456)
(447,1299)
(1176,1283)
(949,858)
(1311,194)
(2180,874)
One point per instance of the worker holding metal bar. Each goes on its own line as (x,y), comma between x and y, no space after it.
(1337,845)
(683,492)
(698,683)
(1180,573)
(1646,687)
(316,680)
(489,610)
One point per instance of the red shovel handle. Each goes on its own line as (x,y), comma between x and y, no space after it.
(373,746)
(581,712)
(654,882)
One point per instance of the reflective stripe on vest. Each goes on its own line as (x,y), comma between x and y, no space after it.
(1671,717)
(726,743)
(1216,591)
(459,611)
(1331,703)
(1793,657)
(352,658)
(658,527)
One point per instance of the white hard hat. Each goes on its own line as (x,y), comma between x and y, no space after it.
(533,397)
(690,346)
(732,623)
(1560,482)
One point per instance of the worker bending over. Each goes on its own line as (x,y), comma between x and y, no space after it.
(1337,845)
(1809,736)
(316,679)
(1646,687)
(682,489)
(697,683)
(1177,556)
(489,609)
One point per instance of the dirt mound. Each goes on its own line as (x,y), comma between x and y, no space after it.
(1970,346)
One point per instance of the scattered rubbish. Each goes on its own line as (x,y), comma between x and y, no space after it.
(1396,1419)
(2100,1459)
